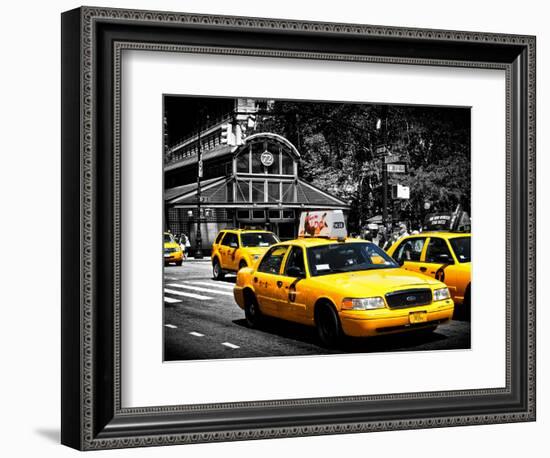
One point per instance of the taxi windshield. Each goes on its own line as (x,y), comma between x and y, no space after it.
(347,257)
(258,239)
(168,238)
(461,247)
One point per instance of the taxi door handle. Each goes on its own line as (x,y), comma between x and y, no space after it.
(423,269)
(279,283)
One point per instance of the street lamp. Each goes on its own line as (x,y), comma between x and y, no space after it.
(198,237)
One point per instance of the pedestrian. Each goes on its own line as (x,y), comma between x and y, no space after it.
(187,244)
(180,241)
(402,231)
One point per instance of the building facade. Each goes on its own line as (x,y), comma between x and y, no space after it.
(247,182)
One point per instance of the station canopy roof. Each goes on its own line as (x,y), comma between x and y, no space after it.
(214,194)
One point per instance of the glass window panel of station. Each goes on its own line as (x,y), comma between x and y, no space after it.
(243,162)
(274,214)
(288,214)
(243,191)
(258,192)
(274,149)
(288,192)
(229,191)
(256,150)
(243,214)
(258,214)
(287,164)
(273,191)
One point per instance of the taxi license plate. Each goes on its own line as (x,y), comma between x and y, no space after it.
(418,317)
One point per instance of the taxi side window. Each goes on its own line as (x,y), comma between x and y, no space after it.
(230,240)
(295,266)
(271,262)
(409,250)
(219,237)
(438,252)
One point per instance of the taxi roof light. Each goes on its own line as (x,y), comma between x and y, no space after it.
(327,224)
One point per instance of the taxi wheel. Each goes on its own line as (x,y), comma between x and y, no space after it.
(463,311)
(179,263)
(328,325)
(252,311)
(217,271)
(467,308)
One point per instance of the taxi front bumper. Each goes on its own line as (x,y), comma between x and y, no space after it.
(367,324)
(173,257)
(238,294)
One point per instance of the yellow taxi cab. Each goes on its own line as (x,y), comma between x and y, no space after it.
(444,256)
(341,286)
(234,249)
(172,250)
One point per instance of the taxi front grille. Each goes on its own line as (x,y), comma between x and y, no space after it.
(409,298)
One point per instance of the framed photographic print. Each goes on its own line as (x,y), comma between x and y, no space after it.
(276,228)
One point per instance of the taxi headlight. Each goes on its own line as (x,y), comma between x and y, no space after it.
(365,303)
(441,294)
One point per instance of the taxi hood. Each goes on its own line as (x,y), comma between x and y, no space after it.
(375,281)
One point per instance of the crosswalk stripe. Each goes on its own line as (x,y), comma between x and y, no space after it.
(230,345)
(196,334)
(170,300)
(171,326)
(181,293)
(216,285)
(198,288)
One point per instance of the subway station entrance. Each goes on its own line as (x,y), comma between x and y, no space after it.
(259,189)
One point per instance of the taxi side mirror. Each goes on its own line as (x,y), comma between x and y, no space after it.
(295,272)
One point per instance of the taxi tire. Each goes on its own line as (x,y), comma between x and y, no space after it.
(466,305)
(252,310)
(217,271)
(463,311)
(179,263)
(328,325)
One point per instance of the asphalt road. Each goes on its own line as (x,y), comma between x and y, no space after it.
(202,321)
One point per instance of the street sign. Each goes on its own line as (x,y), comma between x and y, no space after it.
(380,151)
(390,159)
(396,168)
(400,192)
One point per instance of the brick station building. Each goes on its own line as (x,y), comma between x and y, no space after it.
(253,184)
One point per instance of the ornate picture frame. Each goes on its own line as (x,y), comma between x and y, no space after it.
(92,42)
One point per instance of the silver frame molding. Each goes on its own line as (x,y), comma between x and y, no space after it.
(93,40)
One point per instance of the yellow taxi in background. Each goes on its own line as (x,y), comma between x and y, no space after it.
(172,250)
(234,249)
(446,256)
(342,287)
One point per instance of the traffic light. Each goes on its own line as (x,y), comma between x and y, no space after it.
(227,137)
